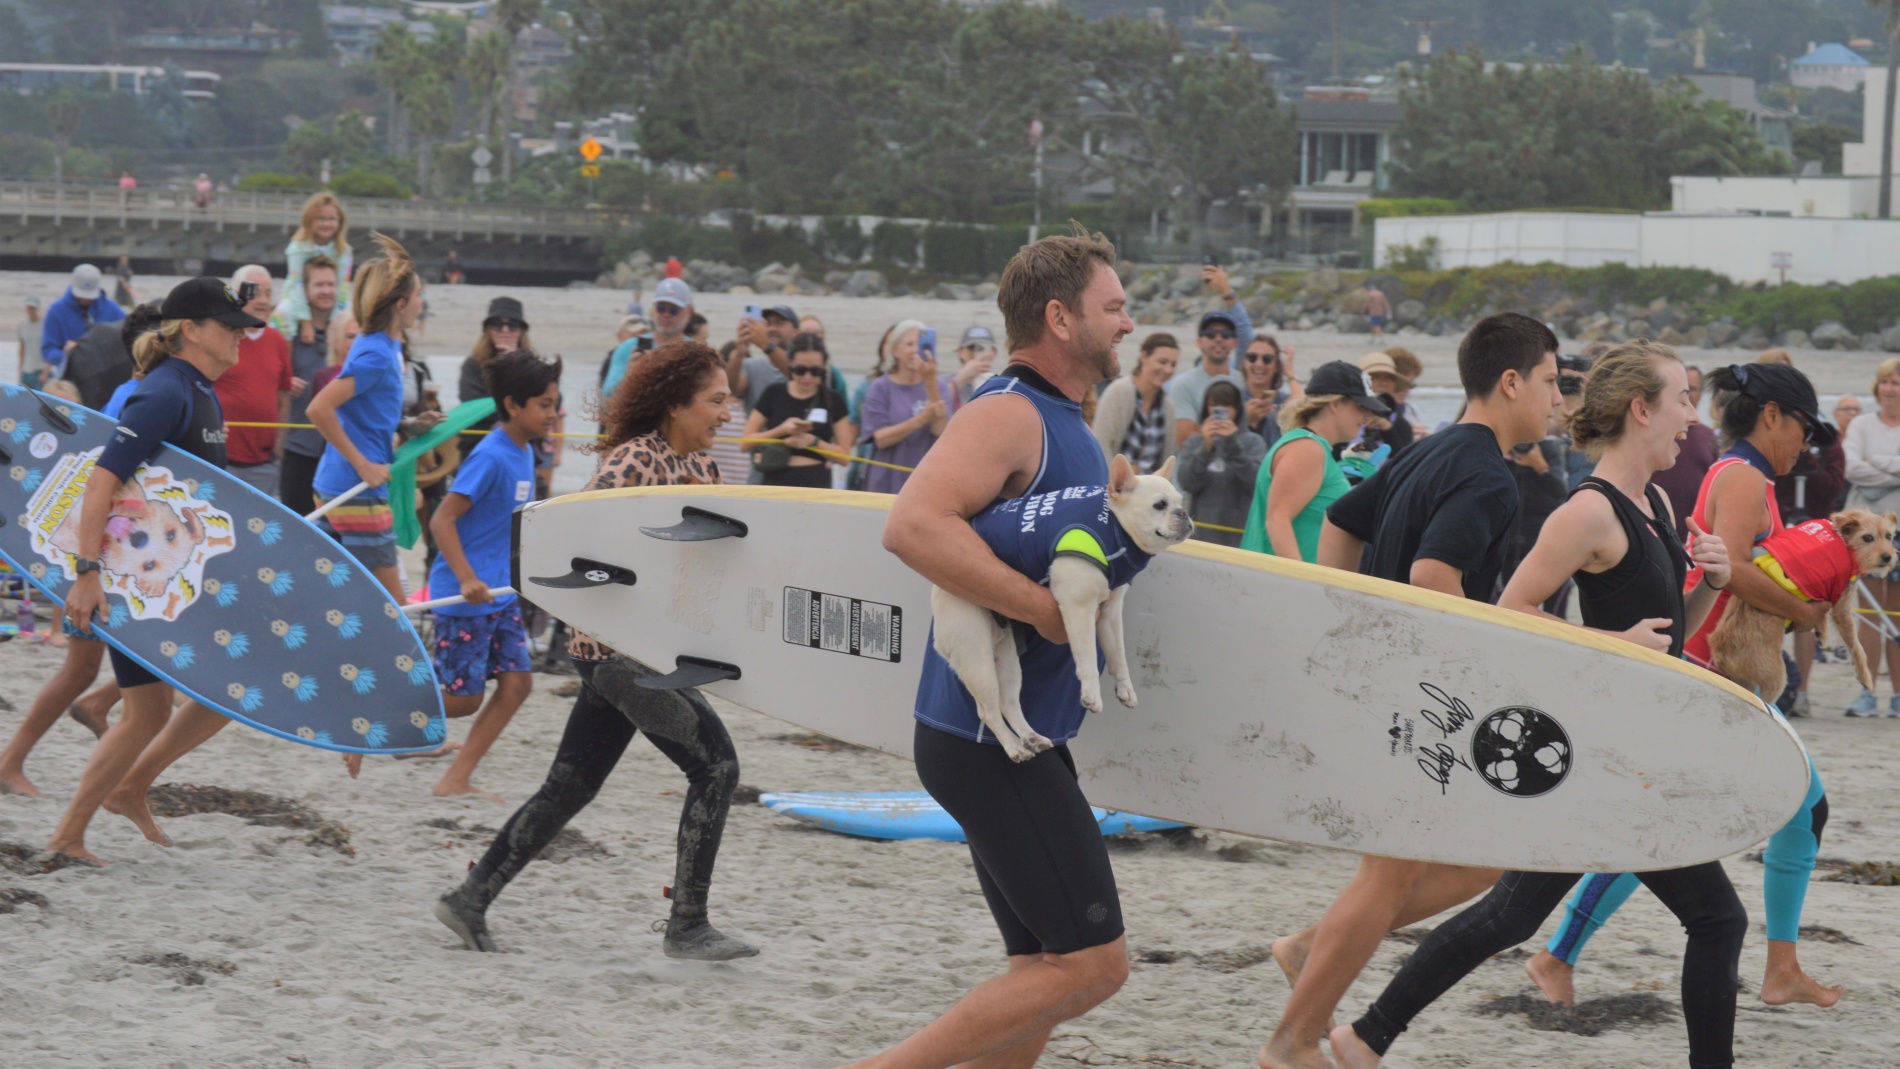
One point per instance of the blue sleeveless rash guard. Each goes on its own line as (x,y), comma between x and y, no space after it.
(1029,533)
(1051,695)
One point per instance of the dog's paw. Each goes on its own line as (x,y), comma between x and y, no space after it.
(1125,692)
(1020,750)
(1092,697)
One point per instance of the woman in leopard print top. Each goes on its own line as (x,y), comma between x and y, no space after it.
(660,421)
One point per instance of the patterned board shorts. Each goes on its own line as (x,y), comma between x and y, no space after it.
(471,650)
(366,529)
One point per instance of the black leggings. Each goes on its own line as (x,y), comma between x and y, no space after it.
(815,476)
(610,709)
(1701,897)
(293,482)
(1039,853)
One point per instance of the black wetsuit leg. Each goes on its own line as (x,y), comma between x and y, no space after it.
(1039,853)
(1700,896)
(606,715)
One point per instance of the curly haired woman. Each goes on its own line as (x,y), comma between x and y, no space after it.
(660,421)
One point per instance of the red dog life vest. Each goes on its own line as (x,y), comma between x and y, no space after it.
(1814,558)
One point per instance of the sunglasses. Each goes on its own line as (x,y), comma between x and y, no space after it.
(1807,426)
(506,324)
(1261,358)
(808,369)
(1227,335)
(665,309)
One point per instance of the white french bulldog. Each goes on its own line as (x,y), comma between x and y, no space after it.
(981,649)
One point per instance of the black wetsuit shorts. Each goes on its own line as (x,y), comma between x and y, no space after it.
(1038,850)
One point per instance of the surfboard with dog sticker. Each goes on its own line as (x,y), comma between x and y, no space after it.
(218,588)
(1274,698)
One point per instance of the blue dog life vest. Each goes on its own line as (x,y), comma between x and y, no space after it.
(1051,694)
(1029,533)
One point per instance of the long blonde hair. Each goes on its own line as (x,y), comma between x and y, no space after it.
(151,348)
(1301,412)
(382,284)
(307,225)
(1622,375)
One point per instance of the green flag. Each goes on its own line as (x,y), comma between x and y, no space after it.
(402,469)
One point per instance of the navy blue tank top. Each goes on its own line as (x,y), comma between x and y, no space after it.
(1052,695)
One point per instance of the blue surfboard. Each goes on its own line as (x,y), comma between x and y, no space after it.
(909,815)
(217,588)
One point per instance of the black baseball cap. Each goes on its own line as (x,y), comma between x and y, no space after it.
(1788,388)
(207,298)
(1339,377)
(1219,317)
(783,311)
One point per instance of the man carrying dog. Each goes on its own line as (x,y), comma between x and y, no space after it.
(1039,855)
(1437,517)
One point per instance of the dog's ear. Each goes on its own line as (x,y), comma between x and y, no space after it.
(1893,522)
(1166,470)
(1121,476)
(193,525)
(1846,523)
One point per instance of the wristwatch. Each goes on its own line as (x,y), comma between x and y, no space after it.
(81,566)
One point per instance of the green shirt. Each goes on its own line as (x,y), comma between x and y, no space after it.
(1332,486)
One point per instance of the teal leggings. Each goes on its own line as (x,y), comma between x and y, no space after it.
(1788,859)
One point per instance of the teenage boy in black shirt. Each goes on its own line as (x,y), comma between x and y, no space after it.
(1437,516)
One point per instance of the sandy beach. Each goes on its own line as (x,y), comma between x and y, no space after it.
(256,944)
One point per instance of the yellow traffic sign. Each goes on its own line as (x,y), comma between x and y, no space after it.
(590,170)
(591,150)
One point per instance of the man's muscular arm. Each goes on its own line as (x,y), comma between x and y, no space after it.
(992,449)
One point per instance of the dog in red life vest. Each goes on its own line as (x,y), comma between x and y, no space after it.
(1815,561)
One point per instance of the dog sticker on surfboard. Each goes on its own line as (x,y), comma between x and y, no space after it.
(158,535)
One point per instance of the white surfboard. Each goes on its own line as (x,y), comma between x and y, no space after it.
(1275,698)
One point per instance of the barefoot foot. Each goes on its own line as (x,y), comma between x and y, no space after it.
(1786,987)
(1289,952)
(17,783)
(60,855)
(91,719)
(1352,1051)
(131,805)
(445,789)
(1555,977)
(354,763)
(1278,1054)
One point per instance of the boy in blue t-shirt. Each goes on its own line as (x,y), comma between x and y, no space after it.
(483,638)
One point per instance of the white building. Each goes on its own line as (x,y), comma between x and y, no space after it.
(1746,248)
(1828,66)
(1863,157)
(1830,196)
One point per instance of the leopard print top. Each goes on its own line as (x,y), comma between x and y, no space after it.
(644,461)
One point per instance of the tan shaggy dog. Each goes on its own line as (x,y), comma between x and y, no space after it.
(1746,644)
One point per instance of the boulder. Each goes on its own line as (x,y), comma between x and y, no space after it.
(1409,312)
(1870,342)
(1352,323)
(1147,287)
(1752,338)
(1793,339)
(983,291)
(836,279)
(1672,336)
(1890,340)
(1832,335)
(1661,319)
(1659,304)
(1697,336)
(1638,328)
(1441,325)
(866,283)
(1722,333)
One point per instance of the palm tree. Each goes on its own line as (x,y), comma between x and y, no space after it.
(397,58)
(516,16)
(1892,9)
(63,113)
(486,66)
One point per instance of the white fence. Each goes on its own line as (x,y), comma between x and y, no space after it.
(1745,248)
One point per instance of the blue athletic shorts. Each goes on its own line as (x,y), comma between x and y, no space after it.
(471,650)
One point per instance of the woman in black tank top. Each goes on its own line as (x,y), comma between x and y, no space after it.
(1615,536)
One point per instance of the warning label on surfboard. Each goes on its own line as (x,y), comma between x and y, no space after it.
(844,625)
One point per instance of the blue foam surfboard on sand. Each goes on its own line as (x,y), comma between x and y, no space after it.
(909,815)
(218,588)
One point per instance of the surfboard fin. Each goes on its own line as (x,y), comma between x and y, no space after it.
(61,421)
(698,525)
(587,573)
(690,672)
